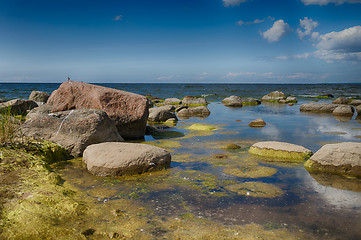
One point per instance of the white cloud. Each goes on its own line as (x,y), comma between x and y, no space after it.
(277,31)
(307,25)
(256,21)
(325,2)
(203,75)
(228,3)
(231,74)
(118,18)
(164,78)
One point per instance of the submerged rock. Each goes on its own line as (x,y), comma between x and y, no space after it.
(202,127)
(201,111)
(232,101)
(39,96)
(129,111)
(343,110)
(258,123)
(116,159)
(74,130)
(274,96)
(281,150)
(250,101)
(318,107)
(256,189)
(18,106)
(251,171)
(339,157)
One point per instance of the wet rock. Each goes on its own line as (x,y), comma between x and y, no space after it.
(18,106)
(201,111)
(274,96)
(325,96)
(172,101)
(161,114)
(232,101)
(358,110)
(343,110)
(39,96)
(280,150)
(180,108)
(116,159)
(318,107)
(341,158)
(129,111)
(258,123)
(342,100)
(251,171)
(74,130)
(291,99)
(202,127)
(231,146)
(194,101)
(250,101)
(355,102)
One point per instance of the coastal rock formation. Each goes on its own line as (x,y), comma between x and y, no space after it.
(194,101)
(116,159)
(258,123)
(232,101)
(73,129)
(39,96)
(355,102)
(161,114)
(129,111)
(172,101)
(343,110)
(342,100)
(18,106)
(250,101)
(201,111)
(280,150)
(358,110)
(291,99)
(339,157)
(318,107)
(274,96)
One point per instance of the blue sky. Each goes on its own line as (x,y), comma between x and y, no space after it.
(203,41)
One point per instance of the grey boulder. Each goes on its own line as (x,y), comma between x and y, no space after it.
(161,114)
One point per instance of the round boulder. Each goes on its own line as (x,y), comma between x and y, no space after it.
(343,110)
(274,96)
(161,114)
(281,150)
(342,157)
(116,159)
(194,112)
(39,96)
(232,101)
(342,100)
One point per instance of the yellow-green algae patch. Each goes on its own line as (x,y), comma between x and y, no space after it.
(256,189)
(202,127)
(256,171)
(279,155)
(165,143)
(182,158)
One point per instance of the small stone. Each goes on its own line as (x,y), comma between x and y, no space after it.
(258,123)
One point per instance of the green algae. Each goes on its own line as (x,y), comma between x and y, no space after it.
(231,146)
(279,155)
(256,171)
(202,127)
(256,189)
(335,133)
(165,143)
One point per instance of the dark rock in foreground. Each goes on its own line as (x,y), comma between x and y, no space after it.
(18,106)
(339,158)
(74,129)
(129,111)
(116,159)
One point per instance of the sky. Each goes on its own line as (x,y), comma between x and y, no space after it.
(176,41)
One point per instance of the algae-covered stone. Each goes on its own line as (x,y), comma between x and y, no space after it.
(280,150)
(202,127)
(256,189)
(251,171)
(274,96)
(258,123)
(339,157)
(232,101)
(231,146)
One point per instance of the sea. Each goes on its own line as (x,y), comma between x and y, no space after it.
(230,187)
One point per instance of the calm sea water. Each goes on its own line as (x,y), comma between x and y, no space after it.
(322,205)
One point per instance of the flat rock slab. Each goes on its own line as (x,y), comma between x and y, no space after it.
(117,158)
(318,107)
(281,150)
(339,157)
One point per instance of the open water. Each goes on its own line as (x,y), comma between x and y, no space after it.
(200,183)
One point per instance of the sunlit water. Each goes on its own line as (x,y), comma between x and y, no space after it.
(198,183)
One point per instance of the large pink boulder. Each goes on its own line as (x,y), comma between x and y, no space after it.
(129,111)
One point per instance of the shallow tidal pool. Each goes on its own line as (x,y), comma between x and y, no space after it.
(214,190)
